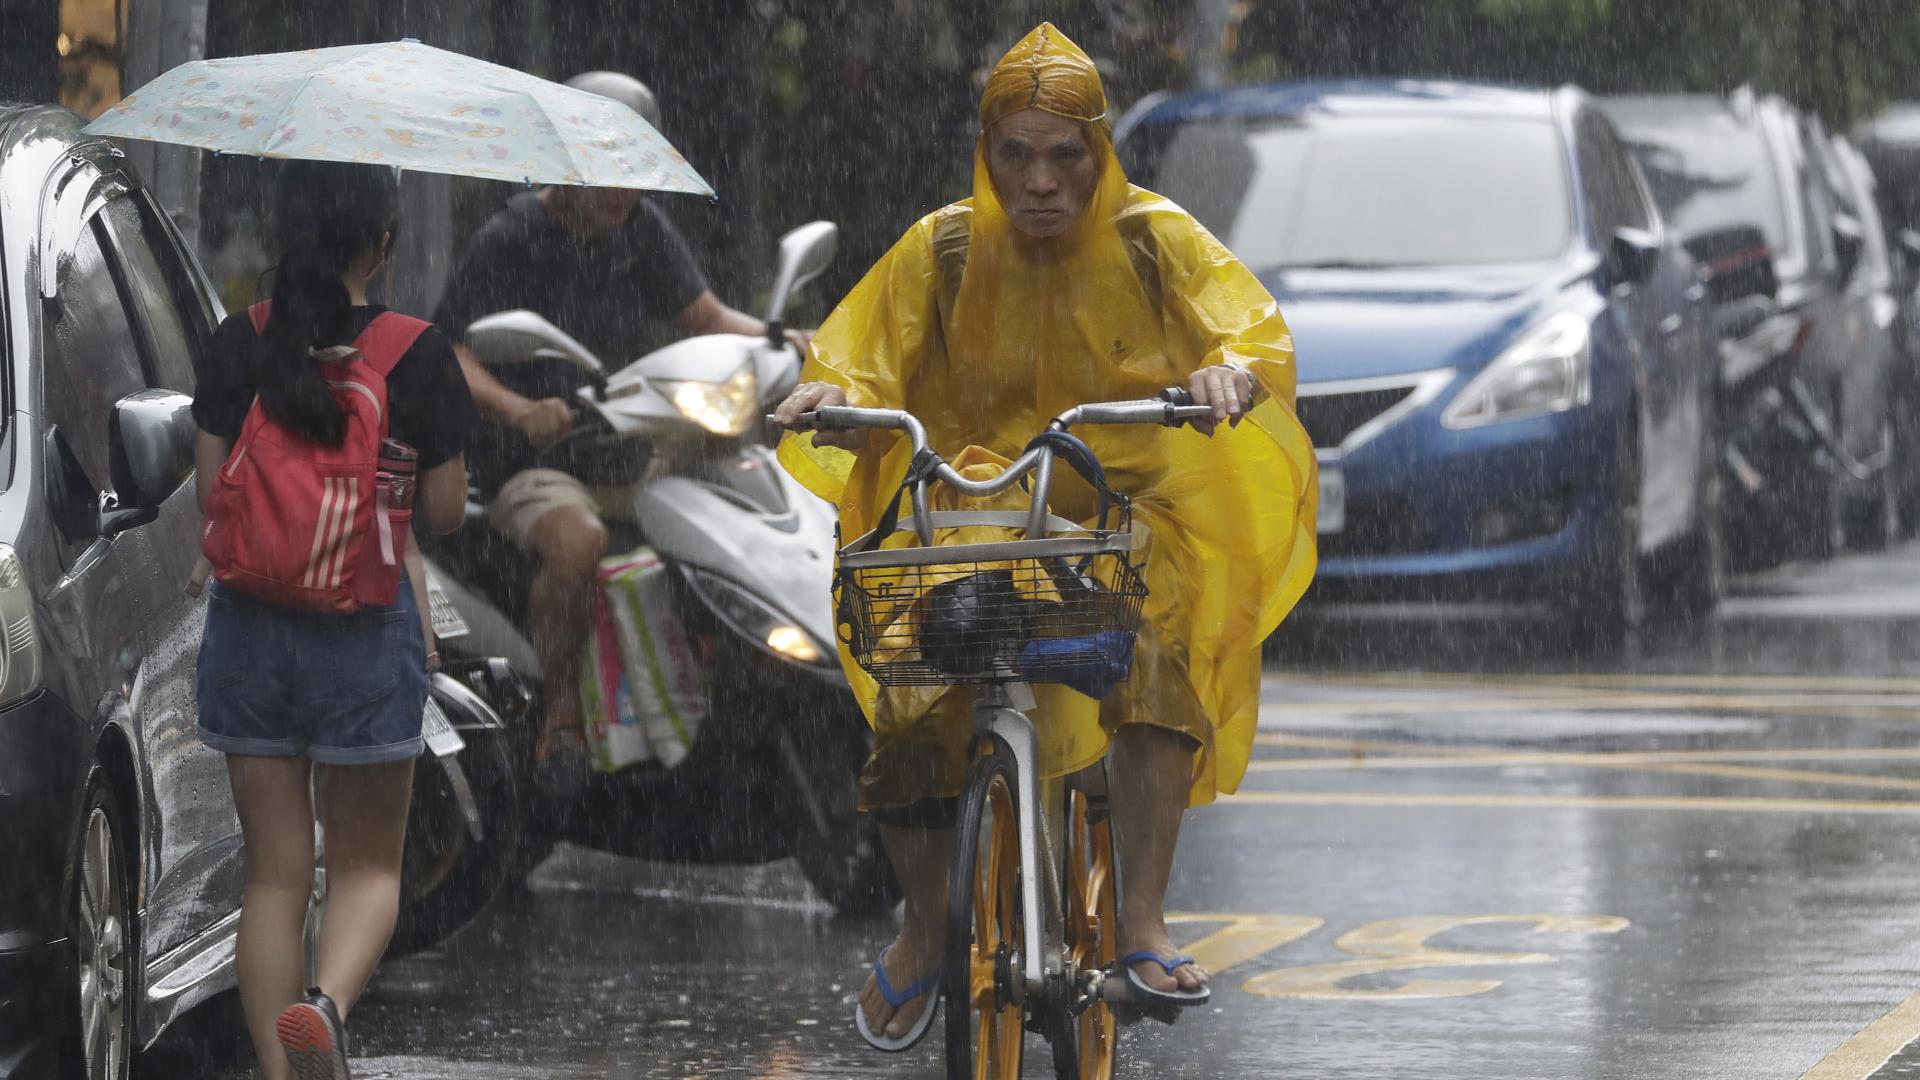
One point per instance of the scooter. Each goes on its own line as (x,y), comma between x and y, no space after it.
(772,771)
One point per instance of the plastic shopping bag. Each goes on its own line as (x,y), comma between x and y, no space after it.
(644,689)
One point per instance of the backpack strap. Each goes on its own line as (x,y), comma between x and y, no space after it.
(258,314)
(387,340)
(952,238)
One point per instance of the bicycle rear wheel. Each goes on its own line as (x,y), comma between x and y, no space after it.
(1088,1049)
(985,1030)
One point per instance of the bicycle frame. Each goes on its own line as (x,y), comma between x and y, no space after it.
(1000,710)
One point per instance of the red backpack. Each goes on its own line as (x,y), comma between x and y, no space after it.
(305,525)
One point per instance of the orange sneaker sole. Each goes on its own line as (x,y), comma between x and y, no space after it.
(309,1043)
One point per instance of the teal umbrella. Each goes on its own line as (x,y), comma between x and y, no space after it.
(406,105)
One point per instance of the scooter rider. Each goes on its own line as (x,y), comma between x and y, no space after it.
(607,266)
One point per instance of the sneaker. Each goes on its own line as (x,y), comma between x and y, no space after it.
(314,1038)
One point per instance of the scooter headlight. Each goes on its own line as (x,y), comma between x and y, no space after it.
(757,621)
(724,408)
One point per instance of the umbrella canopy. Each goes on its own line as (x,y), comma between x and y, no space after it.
(406,105)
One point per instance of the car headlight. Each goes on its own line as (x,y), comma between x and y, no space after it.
(724,408)
(1549,370)
(756,620)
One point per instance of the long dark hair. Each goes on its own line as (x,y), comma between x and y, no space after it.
(326,215)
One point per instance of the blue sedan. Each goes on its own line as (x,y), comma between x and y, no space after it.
(1505,359)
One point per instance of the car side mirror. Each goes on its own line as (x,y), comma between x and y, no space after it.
(1631,256)
(804,254)
(150,454)
(1849,242)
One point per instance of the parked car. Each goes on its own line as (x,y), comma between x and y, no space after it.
(1890,145)
(1880,283)
(1807,372)
(1505,359)
(120,867)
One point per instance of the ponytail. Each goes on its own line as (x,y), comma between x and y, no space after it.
(328,215)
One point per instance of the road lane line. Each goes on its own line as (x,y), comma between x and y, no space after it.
(1470,754)
(1457,680)
(1714,803)
(1860,707)
(1863,1054)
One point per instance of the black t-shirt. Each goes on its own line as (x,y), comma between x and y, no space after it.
(430,406)
(618,294)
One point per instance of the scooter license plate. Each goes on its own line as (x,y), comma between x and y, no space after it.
(1333,500)
(447,620)
(439,733)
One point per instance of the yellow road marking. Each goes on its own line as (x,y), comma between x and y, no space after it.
(1863,1054)
(1863,707)
(1471,755)
(1397,945)
(1571,802)
(1244,938)
(1685,762)
(1438,680)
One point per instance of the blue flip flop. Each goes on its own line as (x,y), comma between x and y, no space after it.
(897,998)
(1151,998)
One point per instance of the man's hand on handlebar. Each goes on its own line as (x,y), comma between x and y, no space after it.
(1227,389)
(810,396)
(545,422)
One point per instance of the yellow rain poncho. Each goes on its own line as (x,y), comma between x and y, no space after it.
(985,334)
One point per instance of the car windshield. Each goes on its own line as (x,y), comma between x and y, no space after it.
(1364,191)
(1709,172)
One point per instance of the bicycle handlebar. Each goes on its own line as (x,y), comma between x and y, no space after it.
(1172,409)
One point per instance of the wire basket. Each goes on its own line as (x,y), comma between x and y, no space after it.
(1067,615)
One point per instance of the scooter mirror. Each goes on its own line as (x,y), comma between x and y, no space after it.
(804,253)
(517,337)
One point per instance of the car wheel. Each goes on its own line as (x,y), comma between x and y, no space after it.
(1614,603)
(1905,478)
(1873,523)
(448,876)
(100,927)
(1704,571)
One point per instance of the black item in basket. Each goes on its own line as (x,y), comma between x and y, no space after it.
(970,621)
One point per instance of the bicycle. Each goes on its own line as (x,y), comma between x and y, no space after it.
(1034,885)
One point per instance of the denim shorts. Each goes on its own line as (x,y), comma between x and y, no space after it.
(337,689)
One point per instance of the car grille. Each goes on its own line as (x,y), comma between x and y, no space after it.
(1331,418)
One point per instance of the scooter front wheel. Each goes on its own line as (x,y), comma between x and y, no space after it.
(985,1023)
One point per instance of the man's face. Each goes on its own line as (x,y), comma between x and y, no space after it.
(1043,170)
(606,208)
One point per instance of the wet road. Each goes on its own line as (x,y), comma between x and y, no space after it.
(1461,852)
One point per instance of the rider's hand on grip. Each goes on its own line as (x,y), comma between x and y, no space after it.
(808,397)
(1227,389)
(545,422)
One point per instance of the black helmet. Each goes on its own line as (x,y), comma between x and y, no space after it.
(968,622)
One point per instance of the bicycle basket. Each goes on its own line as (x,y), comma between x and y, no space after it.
(1040,611)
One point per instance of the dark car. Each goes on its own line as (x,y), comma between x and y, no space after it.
(1808,369)
(120,862)
(1505,361)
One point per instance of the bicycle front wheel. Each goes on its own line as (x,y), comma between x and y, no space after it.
(985,1029)
(1087,1047)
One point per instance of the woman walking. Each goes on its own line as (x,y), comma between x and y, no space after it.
(325,423)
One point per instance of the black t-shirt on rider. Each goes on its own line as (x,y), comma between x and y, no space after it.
(618,294)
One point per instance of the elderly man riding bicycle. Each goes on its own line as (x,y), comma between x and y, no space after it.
(1057,284)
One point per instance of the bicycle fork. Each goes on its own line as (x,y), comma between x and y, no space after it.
(999,713)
